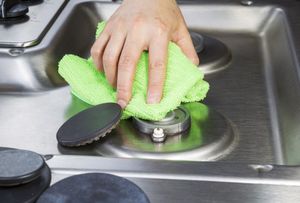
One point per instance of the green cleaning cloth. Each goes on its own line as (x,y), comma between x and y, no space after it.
(184,83)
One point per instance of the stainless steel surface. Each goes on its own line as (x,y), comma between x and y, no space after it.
(30,30)
(261,168)
(211,136)
(36,66)
(189,181)
(175,122)
(259,91)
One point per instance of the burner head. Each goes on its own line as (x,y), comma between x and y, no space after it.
(94,187)
(175,122)
(214,55)
(89,125)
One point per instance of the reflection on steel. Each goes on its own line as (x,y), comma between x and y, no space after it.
(211,136)
(254,92)
(259,92)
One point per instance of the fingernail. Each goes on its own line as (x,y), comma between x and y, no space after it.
(153,99)
(122,103)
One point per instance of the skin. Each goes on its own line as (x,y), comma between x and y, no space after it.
(136,26)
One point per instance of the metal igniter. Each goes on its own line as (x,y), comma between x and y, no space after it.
(158,135)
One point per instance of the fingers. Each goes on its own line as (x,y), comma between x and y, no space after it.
(98,48)
(184,41)
(126,69)
(111,56)
(157,68)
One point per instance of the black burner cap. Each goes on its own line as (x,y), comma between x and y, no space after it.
(19,166)
(94,187)
(89,125)
(37,179)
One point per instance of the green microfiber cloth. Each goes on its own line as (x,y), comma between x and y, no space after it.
(184,83)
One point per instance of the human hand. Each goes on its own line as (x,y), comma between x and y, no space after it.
(136,26)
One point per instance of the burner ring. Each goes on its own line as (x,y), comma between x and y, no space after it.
(211,136)
(175,122)
(29,191)
(214,55)
(198,41)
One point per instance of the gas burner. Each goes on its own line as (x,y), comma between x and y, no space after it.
(23,174)
(25,22)
(175,122)
(191,132)
(94,187)
(211,136)
(15,170)
(214,54)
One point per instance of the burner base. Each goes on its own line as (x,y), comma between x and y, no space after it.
(175,122)
(210,137)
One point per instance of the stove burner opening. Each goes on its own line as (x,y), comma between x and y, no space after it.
(175,122)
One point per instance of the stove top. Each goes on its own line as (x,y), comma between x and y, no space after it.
(247,95)
(248,139)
